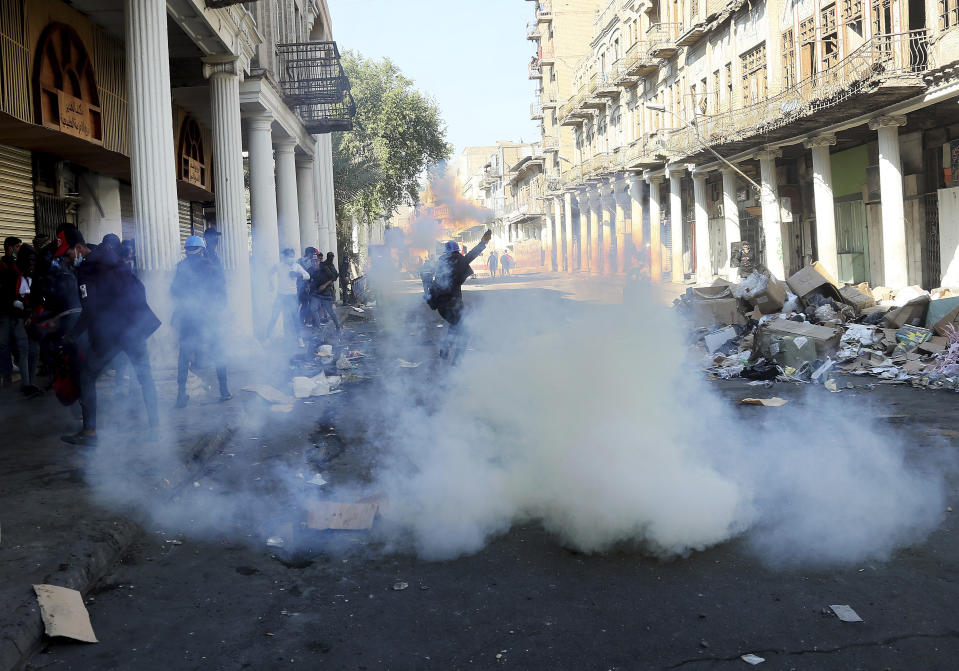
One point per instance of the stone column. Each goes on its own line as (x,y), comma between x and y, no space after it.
(772,223)
(825,206)
(234,249)
(266,244)
(704,262)
(325,207)
(152,165)
(676,221)
(559,254)
(655,229)
(636,210)
(585,231)
(731,217)
(568,263)
(894,258)
(287,207)
(608,231)
(306,205)
(622,225)
(595,231)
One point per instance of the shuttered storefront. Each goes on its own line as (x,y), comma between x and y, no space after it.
(126,212)
(186,220)
(16,194)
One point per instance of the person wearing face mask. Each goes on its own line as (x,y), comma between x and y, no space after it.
(287,275)
(115,318)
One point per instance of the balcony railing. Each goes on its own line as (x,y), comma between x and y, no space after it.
(662,39)
(882,59)
(535,71)
(532,31)
(544,10)
(536,111)
(315,86)
(550,143)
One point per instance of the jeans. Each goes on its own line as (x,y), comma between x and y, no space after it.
(323,305)
(12,334)
(136,350)
(451,310)
(289,306)
(193,340)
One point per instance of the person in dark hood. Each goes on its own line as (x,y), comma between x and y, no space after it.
(12,333)
(747,261)
(211,237)
(115,317)
(321,291)
(446,289)
(199,292)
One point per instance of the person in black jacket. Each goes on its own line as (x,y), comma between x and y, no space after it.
(199,291)
(450,271)
(115,317)
(321,291)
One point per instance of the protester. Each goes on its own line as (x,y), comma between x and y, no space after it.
(288,275)
(745,259)
(492,262)
(506,264)
(321,292)
(12,333)
(115,317)
(28,302)
(211,237)
(345,279)
(309,263)
(446,290)
(199,295)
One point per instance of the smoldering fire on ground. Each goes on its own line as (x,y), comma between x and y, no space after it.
(587,420)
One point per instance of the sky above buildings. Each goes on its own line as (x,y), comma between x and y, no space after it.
(471,57)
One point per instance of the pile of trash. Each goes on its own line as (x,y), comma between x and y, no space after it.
(809,328)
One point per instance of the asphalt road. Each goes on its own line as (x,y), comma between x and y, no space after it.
(523,602)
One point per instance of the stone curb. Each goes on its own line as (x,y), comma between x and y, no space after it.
(87,562)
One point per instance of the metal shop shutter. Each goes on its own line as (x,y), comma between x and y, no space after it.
(16,194)
(128,224)
(185,212)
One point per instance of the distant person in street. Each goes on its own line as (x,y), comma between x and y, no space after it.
(115,317)
(344,279)
(288,274)
(492,262)
(506,264)
(308,262)
(199,294)
(745,259)
(321,292)
(211,237)
(13,337)
(446,291)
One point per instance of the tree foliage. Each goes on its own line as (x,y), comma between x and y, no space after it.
(397,134)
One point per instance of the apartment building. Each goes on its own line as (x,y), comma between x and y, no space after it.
(817,130)
(132,117)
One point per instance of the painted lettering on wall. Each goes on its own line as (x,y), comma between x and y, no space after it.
(74,116)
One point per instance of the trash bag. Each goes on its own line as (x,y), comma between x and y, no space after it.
(762,370)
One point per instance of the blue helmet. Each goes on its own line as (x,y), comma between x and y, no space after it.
(452,246)
(194,244)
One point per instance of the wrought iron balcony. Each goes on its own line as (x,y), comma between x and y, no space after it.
(662,39)
(315,86)
(219,4)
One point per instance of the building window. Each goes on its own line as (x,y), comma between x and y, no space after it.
(729,85)
(807,47)
(830,37)
(716,90)
(192,166)
(66,94)
(948,13)
(753,64)
(789,59)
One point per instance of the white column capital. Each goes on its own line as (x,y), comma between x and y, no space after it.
(654,178)
(819,141)
(284,145)
(261,122)
(634,179)
(221,66)
(675,170)
(769,154)
(887,121)
(729,172)
(699,177)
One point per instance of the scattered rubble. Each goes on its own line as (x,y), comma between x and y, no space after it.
(810,328)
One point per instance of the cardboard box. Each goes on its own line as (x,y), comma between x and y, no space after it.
(856,298)
(911,311)
(814,278)
(770,300)
(825,338)
(945,310)
(709,293)
(717,311)
(717,339)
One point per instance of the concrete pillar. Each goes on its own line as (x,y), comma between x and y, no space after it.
(99,212)
(306,205)
(595,231)
(895,261)
(234,250)
(559,255)
(676,221)
(704,263)
(622,226)
(568,261)
(655,229)
(287,207)
(266,244)
(825,206)
(636,210)
(772,222)
(731,218)
(152,165)
(325,207)
(585,231)
(608,230)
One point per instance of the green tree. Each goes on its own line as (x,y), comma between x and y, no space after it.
(397,134)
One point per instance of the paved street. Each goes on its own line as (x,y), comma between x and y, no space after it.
(202,590)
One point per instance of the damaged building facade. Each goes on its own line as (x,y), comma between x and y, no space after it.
(836,120)
(156,120)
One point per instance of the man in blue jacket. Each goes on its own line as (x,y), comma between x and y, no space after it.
(115,317)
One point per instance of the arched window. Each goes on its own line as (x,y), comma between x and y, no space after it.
(190,154)
(65,86)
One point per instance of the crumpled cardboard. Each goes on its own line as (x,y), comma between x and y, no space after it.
(814,278)
(64,614)
(908,313)
(825,338)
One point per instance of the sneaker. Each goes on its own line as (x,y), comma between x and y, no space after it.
(226,397)
(82,439)
(181,401)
